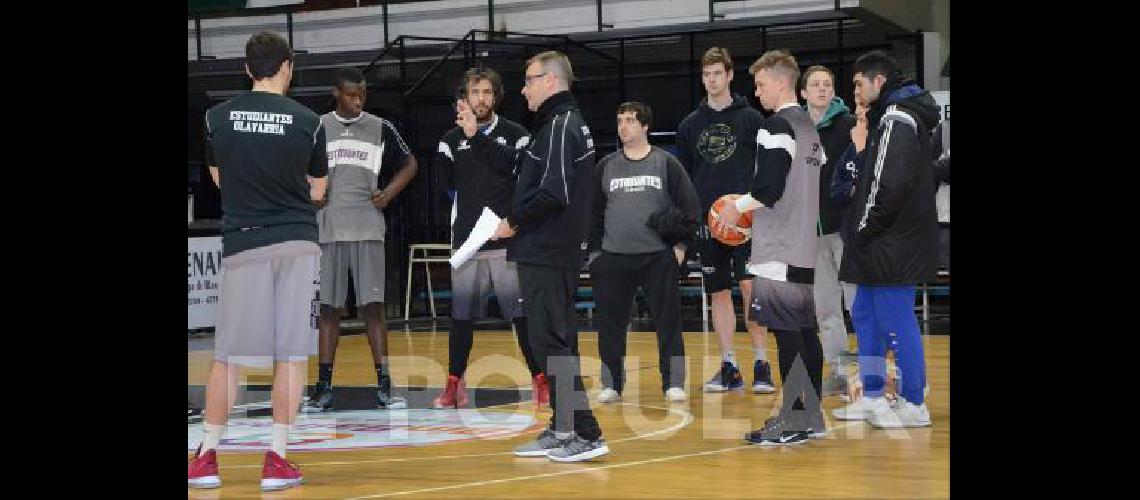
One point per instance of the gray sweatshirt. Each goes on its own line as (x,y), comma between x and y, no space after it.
(629,191)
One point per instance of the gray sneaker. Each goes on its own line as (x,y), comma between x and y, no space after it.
(578,449)
(540,446)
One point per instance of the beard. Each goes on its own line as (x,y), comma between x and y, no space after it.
(482,113)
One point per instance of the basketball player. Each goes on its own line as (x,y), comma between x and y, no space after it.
(716,144)
(352,228)
(784,198)
(266,153)
(480,180)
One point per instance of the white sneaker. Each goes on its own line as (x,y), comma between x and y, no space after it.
(675,395)
(862,409)
(903,414)
(609,395)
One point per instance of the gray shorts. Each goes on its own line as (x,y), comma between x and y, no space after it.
(472,283)
(780,305)
(267,304)
(364,260)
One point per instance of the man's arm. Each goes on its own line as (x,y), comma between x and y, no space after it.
(398,152)
(501,156)
(598,224)
(318,170)
(445,165)
(684,149)
(210,153)
(684,196)
(844,176)
(775,148)
(403,176)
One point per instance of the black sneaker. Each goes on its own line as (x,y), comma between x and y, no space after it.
(776,432)
(320,398)
(762,377)
(384,398)
(727,379)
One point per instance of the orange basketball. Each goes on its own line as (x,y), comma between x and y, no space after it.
(732,236)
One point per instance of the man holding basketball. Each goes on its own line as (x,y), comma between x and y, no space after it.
(784,198)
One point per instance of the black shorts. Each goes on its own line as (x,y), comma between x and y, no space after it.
(721,264)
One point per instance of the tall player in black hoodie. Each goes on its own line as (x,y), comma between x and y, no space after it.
(717,145)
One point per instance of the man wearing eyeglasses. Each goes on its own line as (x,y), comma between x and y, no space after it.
(551,207)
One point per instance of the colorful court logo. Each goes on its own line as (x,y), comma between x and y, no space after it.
(344,430)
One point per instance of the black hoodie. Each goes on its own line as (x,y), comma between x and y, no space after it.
(891,229)
(718,148)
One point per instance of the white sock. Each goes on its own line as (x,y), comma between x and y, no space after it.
(280,438)
(729,356)
(760,353)
(213,436)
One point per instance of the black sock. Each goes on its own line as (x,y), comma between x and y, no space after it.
(789,347)
(382,378)
(459,339)
(813,357)
(324,374)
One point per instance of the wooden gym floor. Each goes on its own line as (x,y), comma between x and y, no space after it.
(681,450)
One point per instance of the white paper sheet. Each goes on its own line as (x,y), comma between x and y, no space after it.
(484,229)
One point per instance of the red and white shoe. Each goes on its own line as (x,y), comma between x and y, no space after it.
(203,470)
(278,473)
(540,390)
(453,396)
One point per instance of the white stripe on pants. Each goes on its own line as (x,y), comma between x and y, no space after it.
(830,296)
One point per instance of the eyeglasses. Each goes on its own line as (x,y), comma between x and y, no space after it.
(527,78)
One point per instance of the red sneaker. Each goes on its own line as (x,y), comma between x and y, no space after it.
(203,470)
(453,396)
(541,390)
(278,473)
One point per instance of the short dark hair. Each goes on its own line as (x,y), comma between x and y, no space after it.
(264,53)
(717,55)
(875,63)
(640,110)
(473,75)
(348,75)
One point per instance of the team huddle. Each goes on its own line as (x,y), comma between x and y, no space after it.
(813,208)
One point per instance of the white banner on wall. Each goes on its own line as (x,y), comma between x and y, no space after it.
(203,278)
(203,284)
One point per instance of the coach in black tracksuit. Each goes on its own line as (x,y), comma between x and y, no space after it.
(551,208)
(646,211)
